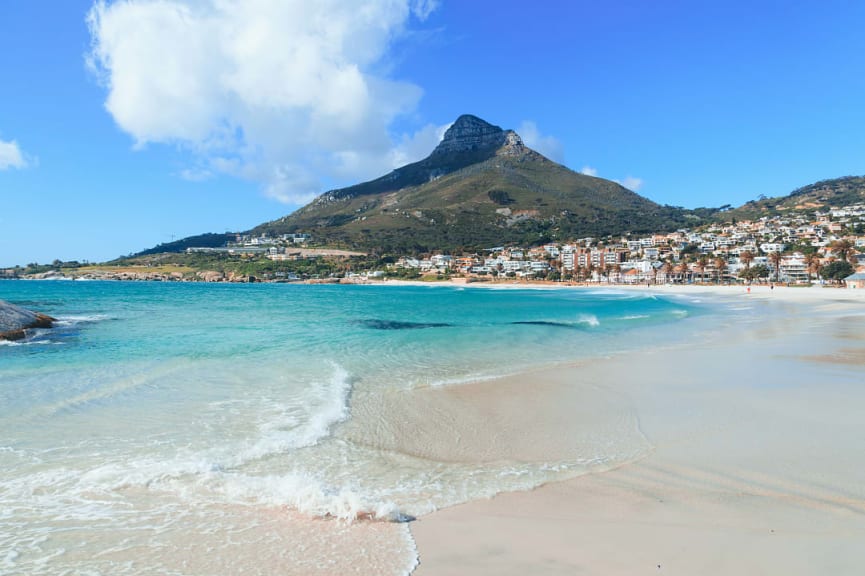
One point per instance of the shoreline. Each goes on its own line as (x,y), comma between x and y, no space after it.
(754,466)
(465,282)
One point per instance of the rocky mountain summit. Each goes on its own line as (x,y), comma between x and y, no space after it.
(481,186)
(470,133)
(468,141)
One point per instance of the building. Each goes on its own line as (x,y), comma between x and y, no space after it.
(856,280)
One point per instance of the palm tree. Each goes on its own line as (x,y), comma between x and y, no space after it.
(683,270)
(702,262)
(668,269)
(775,259)
(720,267)
(812,264)
(843,248)
(747,257)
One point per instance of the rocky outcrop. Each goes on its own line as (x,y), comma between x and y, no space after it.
(211,276)
(470,133)
(15,321)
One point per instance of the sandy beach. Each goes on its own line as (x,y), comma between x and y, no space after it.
(753,460)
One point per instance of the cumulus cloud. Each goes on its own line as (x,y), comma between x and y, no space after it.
(549,146)
(11,156)
(631,183)
(290,93)
(423,8)
(196,174)
(417,146)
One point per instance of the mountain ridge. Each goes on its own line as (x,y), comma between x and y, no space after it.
(480,185)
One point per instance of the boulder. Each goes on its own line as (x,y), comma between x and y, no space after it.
(14,320)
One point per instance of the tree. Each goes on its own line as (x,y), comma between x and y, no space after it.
(843,248)
(746,257)
(758,271)
(668,269)
(812,264)
(720,267)
(837,270)
(683,270)
(702,262)
(775,259)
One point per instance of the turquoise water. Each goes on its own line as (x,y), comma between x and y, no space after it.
(149,400)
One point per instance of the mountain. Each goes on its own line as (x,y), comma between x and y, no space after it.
(481,187)
(836,192)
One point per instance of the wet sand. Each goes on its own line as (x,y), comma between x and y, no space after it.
(754,464)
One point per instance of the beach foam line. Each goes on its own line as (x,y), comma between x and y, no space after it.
(279,435)
(284,433)
(73,319)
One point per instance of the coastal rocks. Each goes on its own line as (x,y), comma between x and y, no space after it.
(211,276)
(14,321)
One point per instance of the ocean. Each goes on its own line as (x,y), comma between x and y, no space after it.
(190,428)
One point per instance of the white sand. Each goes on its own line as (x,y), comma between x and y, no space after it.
(757,463)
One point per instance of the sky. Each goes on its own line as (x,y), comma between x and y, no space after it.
(128,123)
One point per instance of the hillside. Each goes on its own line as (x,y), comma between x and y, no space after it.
(836,192)
(480,187)
(209,240)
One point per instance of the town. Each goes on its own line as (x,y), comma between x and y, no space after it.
(793,249)
(825,245)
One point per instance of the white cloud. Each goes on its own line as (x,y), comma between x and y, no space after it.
(11,156)
(285,92)
(196,174)
(631,183)
(423,8)
(549,146)
(417,146)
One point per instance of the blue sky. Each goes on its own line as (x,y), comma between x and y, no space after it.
(126,124)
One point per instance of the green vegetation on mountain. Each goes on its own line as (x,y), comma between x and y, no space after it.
(201,241)
(836,192)
(481,187)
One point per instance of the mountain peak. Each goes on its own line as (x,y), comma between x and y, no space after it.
(471,133)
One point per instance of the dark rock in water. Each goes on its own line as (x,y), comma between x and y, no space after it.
(544,323)
(376,324)
(14,320)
